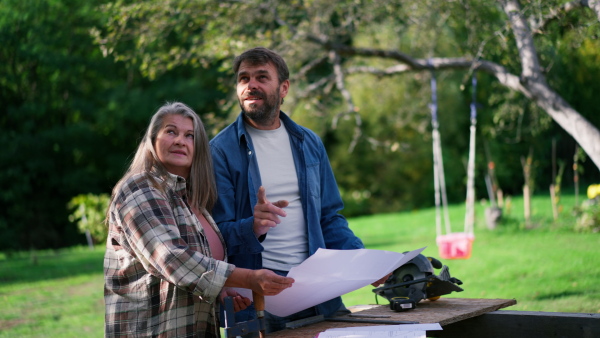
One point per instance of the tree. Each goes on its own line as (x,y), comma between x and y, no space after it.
(47,79)
(321,41)
(71,118)
(89,212)
(79,81)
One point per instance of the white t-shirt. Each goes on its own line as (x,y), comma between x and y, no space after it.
(286,245)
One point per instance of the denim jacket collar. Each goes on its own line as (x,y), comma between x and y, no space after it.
(290,126)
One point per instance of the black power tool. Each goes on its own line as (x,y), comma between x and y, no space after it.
(415,281)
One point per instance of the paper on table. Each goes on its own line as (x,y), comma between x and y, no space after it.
(383,331)
(331,273)
(374,334)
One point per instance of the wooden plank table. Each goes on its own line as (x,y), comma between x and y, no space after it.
(443,311)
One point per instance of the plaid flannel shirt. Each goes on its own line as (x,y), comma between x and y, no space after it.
(160,278)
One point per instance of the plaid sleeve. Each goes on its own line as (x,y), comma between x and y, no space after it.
(152,230)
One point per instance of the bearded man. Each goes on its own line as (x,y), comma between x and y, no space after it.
(265,156)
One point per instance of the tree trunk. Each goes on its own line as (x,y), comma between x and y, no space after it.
(534,82)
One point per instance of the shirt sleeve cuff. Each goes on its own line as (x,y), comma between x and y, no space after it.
(213,281)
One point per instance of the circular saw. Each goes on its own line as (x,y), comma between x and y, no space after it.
(414,281)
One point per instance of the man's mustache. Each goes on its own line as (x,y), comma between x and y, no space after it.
(256,94)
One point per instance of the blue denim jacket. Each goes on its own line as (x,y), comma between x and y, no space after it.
(238,180)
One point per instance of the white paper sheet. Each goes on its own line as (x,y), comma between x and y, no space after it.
(372,334)
(381,331)
(402,327)
(331,273)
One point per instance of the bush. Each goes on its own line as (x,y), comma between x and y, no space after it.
(588,216)
(89,212)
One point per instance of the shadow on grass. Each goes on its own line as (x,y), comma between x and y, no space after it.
(50,266)
(380,244)
(564,294)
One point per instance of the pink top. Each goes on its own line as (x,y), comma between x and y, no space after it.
(216,247)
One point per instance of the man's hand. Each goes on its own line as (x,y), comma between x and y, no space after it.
(268,283)
(266,214)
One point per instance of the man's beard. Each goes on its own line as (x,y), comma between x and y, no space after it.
(262,114)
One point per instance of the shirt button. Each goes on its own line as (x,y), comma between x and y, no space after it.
(249,152)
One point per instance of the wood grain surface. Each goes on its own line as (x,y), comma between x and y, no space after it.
(443,311)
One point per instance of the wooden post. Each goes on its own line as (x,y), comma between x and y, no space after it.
(554,201)
(527,163)
(576,174)
(500,198)
(526,204)
(259,305)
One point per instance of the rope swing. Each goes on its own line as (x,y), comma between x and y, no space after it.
(452,245)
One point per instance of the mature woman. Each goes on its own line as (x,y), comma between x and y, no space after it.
(165,264)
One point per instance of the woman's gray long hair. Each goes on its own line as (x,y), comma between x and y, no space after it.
(202,191)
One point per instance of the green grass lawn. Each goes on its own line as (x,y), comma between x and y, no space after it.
(544,265)
(55,294)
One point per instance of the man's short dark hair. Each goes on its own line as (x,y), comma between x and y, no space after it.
(261,56)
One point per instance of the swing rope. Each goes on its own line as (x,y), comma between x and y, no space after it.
(470,200)
(439,180)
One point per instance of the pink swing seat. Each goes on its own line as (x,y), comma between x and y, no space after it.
(456,245)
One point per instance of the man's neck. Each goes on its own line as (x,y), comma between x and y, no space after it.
(271,124)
